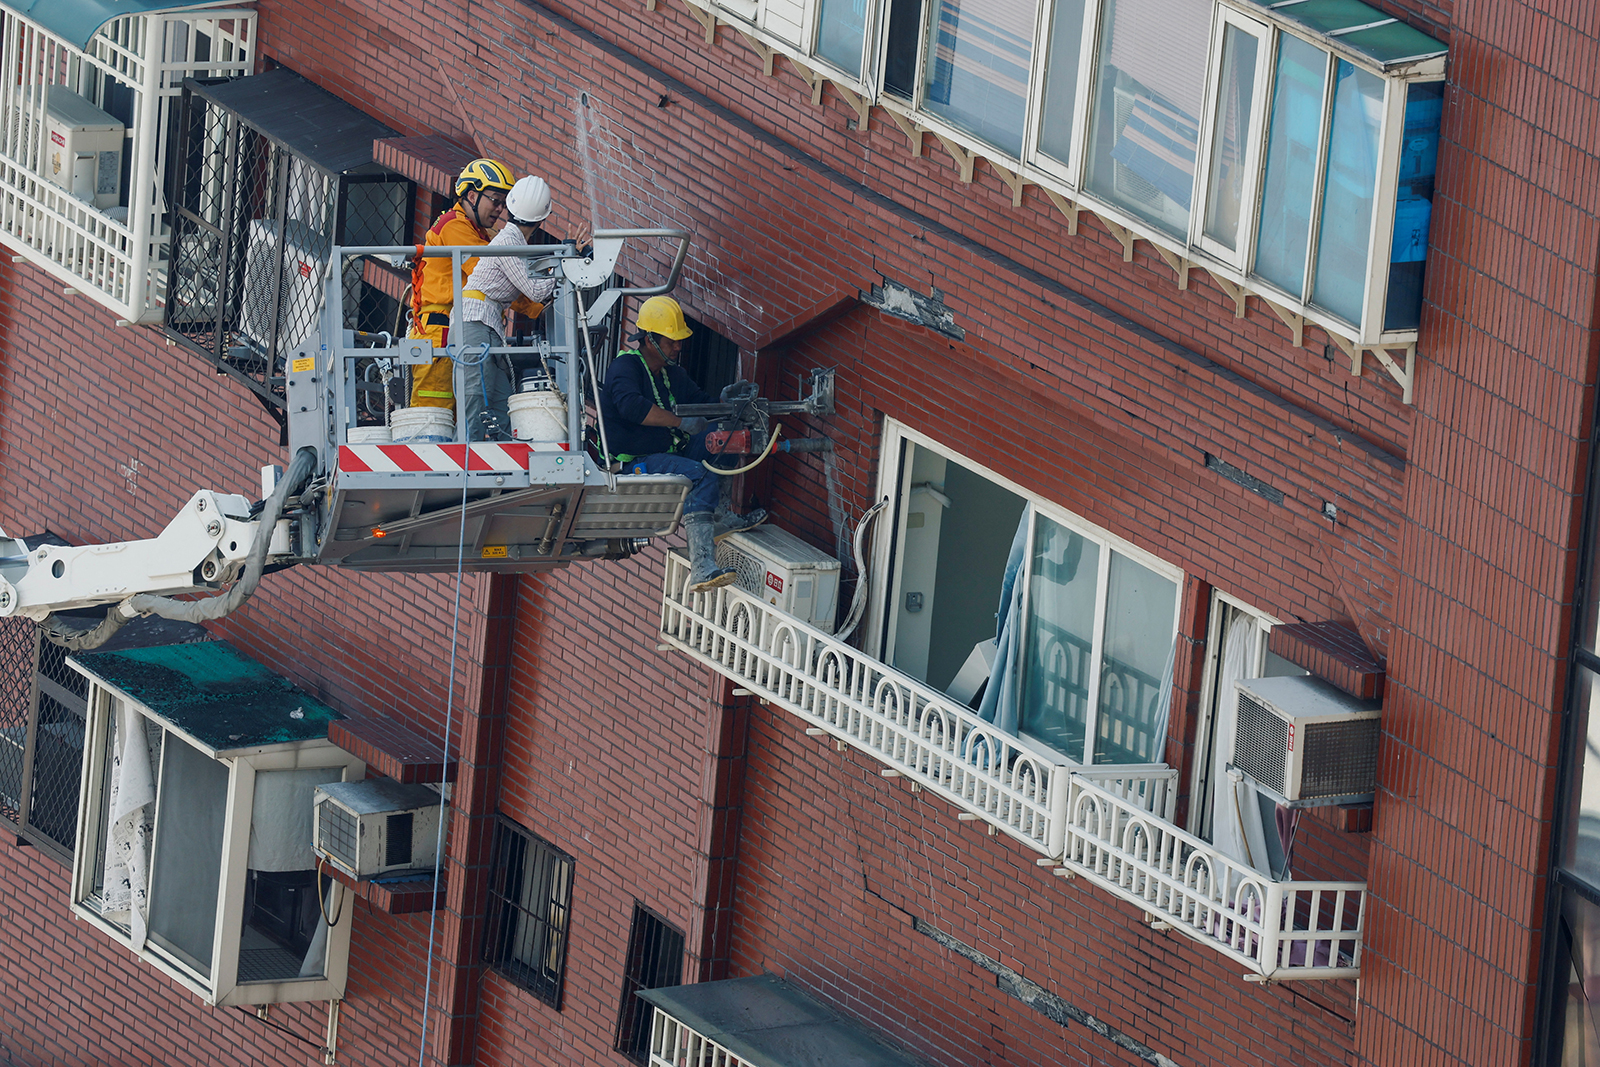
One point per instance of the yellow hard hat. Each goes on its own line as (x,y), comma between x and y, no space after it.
(661,314)
(484,174)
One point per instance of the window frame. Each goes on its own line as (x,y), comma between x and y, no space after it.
(1067,179)
(222,987)
(645,921)
(888,560)
(1200,783)
(1244,250)
(497,950)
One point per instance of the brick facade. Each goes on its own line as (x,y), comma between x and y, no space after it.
(1093,381)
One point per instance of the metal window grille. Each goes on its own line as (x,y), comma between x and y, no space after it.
(41,739)
(530,906)
(253,225)
(655,960)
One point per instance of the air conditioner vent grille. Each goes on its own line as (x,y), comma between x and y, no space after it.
(750,572)
(1260,742)
(1340,758)
(337,830)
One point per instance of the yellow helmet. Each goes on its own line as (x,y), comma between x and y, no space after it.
(661,314)
(484,174)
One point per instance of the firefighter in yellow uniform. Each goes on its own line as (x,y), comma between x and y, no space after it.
(479,210)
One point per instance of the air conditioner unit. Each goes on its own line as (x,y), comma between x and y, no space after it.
(372,827)
(1306,741)
(779,568)
(84,153)
(291,274)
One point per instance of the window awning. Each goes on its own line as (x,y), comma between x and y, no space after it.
(300,115)
(211,693)
(78,21)
(768,1023)
(1358,30)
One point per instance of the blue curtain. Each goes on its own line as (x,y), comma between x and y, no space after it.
(999,704)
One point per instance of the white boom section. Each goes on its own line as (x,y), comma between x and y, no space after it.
(206,543)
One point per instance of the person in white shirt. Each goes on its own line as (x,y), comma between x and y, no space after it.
(498,285)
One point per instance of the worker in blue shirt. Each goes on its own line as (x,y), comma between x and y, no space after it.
(643,386)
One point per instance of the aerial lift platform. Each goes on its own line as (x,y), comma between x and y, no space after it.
(519,506)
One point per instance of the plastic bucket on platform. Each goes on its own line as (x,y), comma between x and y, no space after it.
(418,426)
(538,416)
(368,435)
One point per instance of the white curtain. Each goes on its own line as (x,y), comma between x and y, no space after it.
(126,881)
(1236,828)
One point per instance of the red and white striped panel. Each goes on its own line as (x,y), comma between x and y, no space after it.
(390,459)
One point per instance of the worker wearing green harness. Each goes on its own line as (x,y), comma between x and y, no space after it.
(644,385)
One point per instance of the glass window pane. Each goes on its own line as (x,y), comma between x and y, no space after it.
(1340,282)
(1059,105)
(1147,96)
(1580,852)
(1236,85)
(979,52)
(192,805)
(1589,610)
(1059,632)
(1136,674)
(282,936)
(1575,1007)
(842,33)
(1288,186)
(1413,209)
(900,48)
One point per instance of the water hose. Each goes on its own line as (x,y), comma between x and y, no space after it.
(753,464)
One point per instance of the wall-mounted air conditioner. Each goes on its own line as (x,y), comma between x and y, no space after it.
(282,284)
(792,576)
(375,826)
(84,154)
(1306,741)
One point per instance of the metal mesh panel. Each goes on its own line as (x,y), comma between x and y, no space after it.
(253,225)
(336,833)
(1340,758)
(57,768)
(655,960)
(17,640)
(1260,743)
(530,905)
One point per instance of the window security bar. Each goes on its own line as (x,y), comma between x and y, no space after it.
(97,221)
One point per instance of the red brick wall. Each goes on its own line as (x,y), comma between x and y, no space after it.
(84,401)
(1094,382)
(1487,559)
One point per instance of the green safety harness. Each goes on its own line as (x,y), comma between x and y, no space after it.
(679,438)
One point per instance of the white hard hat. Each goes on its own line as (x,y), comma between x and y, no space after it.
(529,201)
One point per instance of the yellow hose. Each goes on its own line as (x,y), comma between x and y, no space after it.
(753,464)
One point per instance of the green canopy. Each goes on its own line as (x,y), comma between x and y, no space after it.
(77,21)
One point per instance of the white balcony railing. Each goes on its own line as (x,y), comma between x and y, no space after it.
(673,1044)
(1110,824)
(917,732)
(1280,930)
(134,66)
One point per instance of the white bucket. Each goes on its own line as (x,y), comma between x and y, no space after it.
(539,416)
(422,425)
(368,435)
